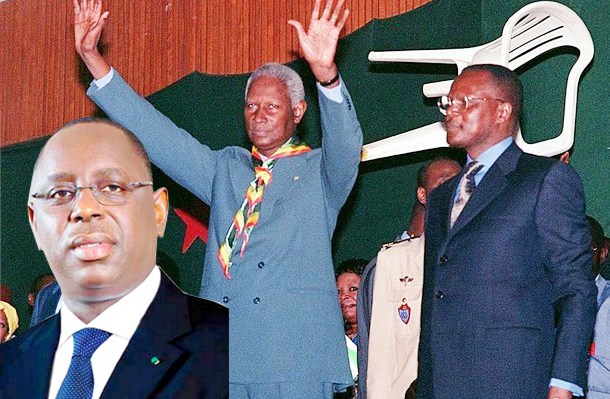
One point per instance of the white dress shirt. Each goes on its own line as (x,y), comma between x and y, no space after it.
(121,320)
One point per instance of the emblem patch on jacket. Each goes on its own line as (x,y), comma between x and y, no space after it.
(404,311)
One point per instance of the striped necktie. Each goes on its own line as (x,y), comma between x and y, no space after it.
(465,190)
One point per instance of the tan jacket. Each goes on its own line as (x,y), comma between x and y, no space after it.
(395,319)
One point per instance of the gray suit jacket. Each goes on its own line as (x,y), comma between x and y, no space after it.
(519,250)
(286,324)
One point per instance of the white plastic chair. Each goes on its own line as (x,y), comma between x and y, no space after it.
(531,31)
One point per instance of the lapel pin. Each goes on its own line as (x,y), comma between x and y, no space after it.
(155,360)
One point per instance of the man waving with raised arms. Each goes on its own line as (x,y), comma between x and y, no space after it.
(273,209)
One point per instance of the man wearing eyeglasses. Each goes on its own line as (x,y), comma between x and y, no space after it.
(124,330)
(506,243)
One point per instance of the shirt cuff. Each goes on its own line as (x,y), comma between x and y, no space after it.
(575,389)
(333,94)
(104,80)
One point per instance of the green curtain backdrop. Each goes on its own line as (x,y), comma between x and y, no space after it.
(388,99)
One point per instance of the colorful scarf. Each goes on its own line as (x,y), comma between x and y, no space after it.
(247,216)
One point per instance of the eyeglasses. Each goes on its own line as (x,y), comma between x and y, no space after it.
(106,193)
(445,102)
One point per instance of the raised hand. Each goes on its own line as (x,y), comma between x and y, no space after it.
(319,43)
(88,24)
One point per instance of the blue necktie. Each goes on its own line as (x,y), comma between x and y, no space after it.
(78,383)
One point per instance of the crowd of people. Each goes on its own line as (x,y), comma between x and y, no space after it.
(492,290)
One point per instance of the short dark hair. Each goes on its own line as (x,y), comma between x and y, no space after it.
(37,285)
(422,173)
(353,265)
(598,238)
(508,80)
(137,144)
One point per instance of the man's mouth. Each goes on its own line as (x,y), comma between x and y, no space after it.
(258,132)
(92,247)
(452,125)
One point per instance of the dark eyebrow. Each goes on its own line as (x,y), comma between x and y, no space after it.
(60,176)
(111,172)
(103,173)
(65,177)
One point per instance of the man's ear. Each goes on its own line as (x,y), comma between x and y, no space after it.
(161,209)
(504,112)
(299,110)
(421,195)
(603,254)
(33,226)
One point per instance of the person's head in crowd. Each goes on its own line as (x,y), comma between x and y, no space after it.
(9,321)
(5,293)
(598,245)
(275,105)
(348,275)
(94,213)
(38,285)
(483,107)
(433,174)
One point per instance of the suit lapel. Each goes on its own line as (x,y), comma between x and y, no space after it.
(443,207)
(151,353)
(38,351)
(494,182)
(241,177)
(287,174)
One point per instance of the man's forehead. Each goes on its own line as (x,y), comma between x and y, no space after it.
(472,81)
(88,149)
(268,84)
(98,173)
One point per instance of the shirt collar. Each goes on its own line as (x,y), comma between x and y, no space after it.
(264,158)
(122,318)
(491,155)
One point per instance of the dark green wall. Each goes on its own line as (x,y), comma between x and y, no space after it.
(388,99)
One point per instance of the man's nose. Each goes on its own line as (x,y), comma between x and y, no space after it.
(453,109)
(85,206)
(259,115)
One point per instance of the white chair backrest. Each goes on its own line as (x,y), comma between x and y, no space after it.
(532,31)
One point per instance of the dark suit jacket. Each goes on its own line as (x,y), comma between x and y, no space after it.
(520,248)
(189,335)
(45,303)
